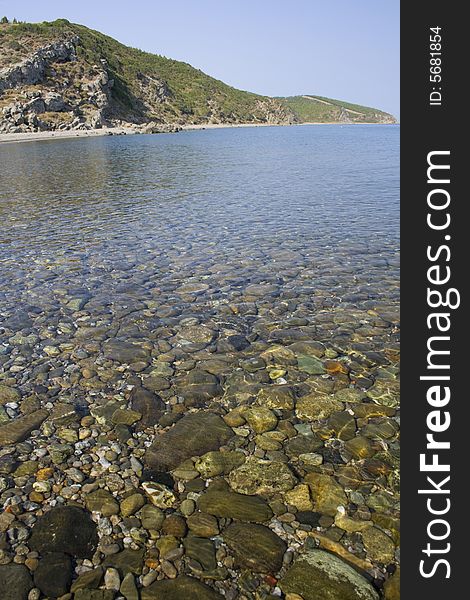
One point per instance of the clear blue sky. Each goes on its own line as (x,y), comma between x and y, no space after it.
(345,49)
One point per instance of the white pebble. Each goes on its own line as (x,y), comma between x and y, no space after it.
(112,580)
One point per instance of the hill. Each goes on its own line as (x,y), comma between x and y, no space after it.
(316,109)
(59,75)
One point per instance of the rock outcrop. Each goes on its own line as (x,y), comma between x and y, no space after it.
(33,69)
(46,100)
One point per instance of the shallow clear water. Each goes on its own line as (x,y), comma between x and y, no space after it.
(229,206)
(251,273)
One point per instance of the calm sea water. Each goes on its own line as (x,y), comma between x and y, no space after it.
(277,234)
(88,212)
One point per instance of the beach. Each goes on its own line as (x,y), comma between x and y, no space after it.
(91,133)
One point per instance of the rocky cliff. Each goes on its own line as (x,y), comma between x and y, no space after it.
(59,76)
(43,94)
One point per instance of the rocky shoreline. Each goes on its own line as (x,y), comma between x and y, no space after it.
(7,138)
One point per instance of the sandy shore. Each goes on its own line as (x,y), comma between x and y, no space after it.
(51,135)
(48,135)
(230,125)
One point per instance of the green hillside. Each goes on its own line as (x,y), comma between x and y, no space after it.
(317,109)
(60,75)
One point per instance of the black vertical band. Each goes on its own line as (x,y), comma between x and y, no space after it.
(434,282)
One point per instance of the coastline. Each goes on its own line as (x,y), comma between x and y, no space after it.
(8,138)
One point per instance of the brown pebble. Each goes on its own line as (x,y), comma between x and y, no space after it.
(44,474)
(36,497)
(31,563)
(169,569)
(152,563)
(174,525)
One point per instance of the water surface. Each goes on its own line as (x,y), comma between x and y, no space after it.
(255,203)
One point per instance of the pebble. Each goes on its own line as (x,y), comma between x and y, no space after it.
(168,569)
(149,578)
(187,507)
(112,580)
(159,495)
(131,504)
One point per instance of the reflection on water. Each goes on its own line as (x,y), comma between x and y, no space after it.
(215,201)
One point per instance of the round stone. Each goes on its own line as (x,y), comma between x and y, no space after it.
(66,529)
(262,477)
(255,547)
(174,525)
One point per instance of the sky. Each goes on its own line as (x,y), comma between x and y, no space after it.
(343,49)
